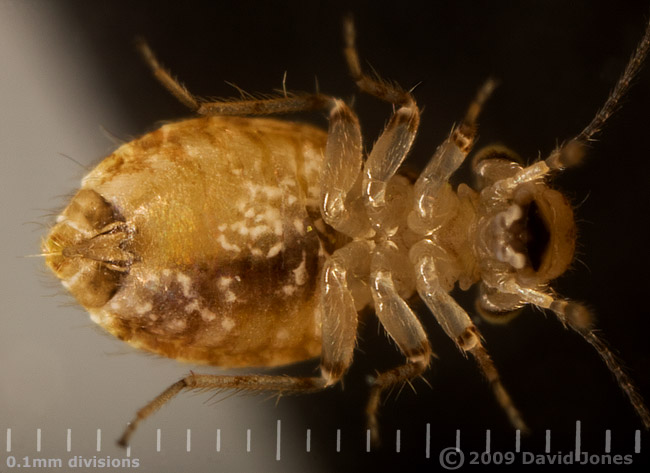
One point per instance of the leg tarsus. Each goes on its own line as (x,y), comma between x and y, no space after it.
(386,380)
(165,78)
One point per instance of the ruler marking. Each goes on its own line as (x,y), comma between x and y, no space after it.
(367,440)
(338,440)
(518,441)
(278,441)
(398,438)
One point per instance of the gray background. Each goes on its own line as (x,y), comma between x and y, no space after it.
(69,73)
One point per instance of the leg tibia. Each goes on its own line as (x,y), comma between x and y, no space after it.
(252,383)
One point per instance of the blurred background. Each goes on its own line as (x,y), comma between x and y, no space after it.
(72,86)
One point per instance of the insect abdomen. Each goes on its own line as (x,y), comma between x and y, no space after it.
(215,215)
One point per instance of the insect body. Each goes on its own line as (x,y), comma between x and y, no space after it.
(220,267)
(239,241)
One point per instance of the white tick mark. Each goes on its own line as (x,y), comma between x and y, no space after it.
(207,315)
(240,227)
(230,297)
(300,273)
(177,324)
(72,280)
(186,283)
(272,192)
(275,249)
(192,306)
(282,334)
(226,245)
(143,308)
(227,323)
(75,226)
(299,226)
(224,282)
(258,230)
(289,289)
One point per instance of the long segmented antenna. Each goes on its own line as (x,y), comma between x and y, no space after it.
(572,152)
(578,318)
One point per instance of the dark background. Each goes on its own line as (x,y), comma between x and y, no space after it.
(556,61)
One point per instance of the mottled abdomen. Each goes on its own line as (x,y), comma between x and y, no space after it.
(199,242)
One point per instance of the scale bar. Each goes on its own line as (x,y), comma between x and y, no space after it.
(99,440)
(9,439)
(38,440)
(218,440)
(577,451)
(157,440)
(427,451)
(608,441)
(68,440)
(308,447)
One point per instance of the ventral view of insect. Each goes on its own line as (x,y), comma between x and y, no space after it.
(238,239)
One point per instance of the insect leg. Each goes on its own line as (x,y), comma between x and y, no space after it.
(288,103)
(339,314)
(253,383)
(403,326)
(457,324)
(341,207)
(393,145)
(429,188)
(339,336)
